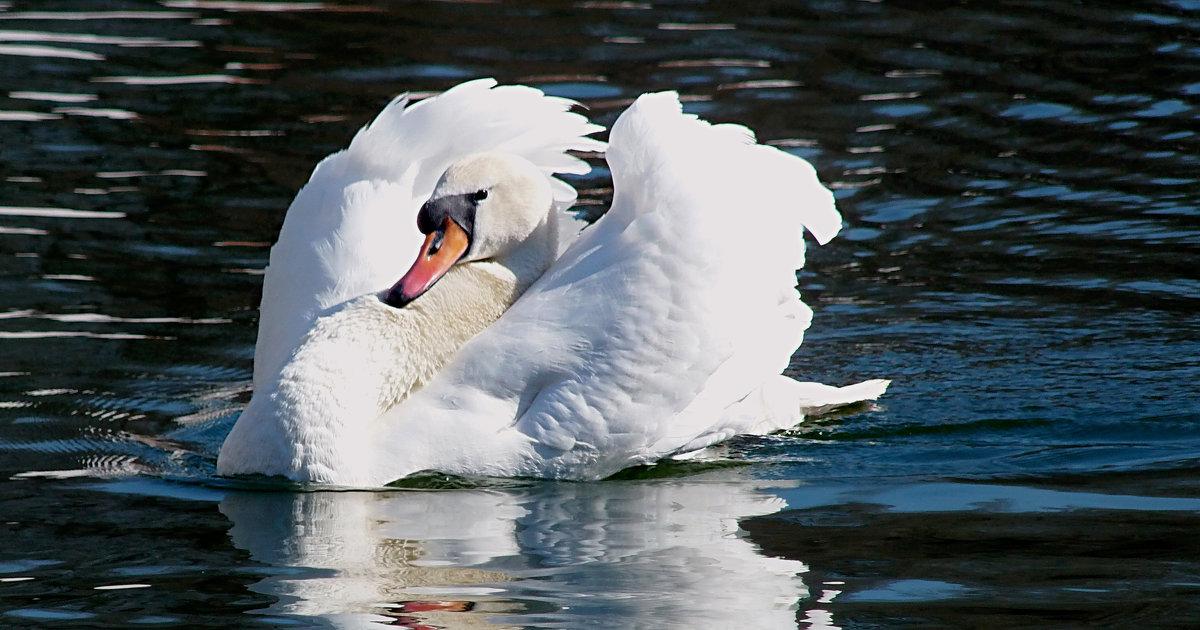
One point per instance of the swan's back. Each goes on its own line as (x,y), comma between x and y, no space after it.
(352,229)
(676,305)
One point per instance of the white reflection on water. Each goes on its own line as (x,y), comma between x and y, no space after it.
(619,554)
(235,6)
(176,80)
(49,51)
(94,39)
(58,213)
(23,116)
(77,16)
(97,112)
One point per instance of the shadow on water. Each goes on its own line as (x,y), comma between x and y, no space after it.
(1018,182)
(992,569)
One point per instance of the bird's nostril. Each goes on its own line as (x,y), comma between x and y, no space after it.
(436,244)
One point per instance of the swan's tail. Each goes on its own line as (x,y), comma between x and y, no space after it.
(785,402)
(782,403)
(816,398)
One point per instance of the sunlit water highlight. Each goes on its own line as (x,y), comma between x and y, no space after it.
(1019,187)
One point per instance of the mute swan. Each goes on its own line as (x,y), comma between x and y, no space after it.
(660,330)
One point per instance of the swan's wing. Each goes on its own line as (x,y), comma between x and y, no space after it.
(674,306)
(352,229)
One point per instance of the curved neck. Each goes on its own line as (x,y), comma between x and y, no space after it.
(529,259)
(319,420)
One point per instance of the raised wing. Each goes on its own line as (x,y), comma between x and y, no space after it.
(352,229)
(674,306)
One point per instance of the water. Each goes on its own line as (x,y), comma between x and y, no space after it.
(1019,183)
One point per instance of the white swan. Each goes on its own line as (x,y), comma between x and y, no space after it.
(662,329)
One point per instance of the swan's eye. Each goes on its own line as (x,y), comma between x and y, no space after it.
(479,195)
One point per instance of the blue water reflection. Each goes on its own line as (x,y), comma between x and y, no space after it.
(1020,247)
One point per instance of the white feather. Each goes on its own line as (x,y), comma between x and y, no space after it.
(648,334)
(352,229)
(661,330)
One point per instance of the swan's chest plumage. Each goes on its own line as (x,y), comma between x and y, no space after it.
(320,420)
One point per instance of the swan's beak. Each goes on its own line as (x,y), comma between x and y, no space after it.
(443,247)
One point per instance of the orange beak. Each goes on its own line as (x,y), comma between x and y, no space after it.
(443,247)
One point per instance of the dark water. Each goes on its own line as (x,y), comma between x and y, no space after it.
(1018,180)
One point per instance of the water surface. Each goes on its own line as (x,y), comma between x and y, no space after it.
(1018,181)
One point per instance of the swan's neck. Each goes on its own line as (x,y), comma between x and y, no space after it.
(319,420)
(529,260)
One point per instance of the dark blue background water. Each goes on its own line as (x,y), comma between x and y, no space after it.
(1019,187)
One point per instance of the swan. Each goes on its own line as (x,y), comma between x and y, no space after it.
(516,345)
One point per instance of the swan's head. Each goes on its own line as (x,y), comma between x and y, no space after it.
(484,207)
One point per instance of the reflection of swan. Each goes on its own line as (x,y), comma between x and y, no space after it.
(661,330)
(338,558)
(613,554)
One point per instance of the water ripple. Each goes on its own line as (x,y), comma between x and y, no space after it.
(59,213)
(79,16)
(239,6)
(89,38)
(197,79)
(49,52)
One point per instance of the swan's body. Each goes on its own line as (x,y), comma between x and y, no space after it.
(661,330)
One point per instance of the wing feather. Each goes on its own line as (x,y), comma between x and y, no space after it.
(678,303)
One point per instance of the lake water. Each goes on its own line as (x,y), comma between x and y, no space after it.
(1019,182)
